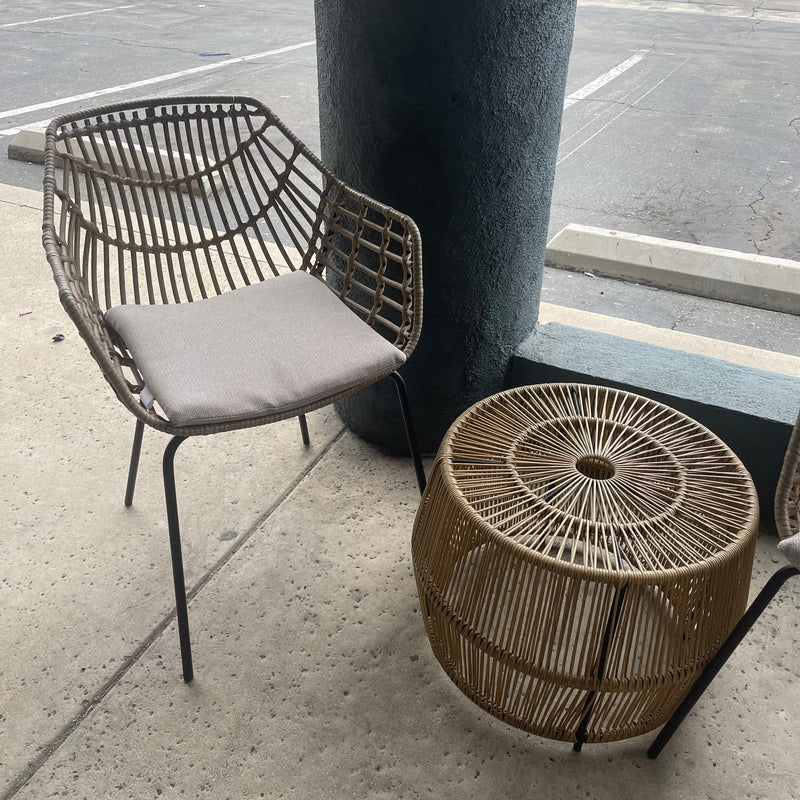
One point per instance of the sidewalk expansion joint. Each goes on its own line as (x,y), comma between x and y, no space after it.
(88,706)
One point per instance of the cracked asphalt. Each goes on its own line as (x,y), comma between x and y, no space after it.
(698,141)
(710,154)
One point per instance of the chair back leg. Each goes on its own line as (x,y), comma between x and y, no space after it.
(756,609)
(177,558)
(411,433)
(304,430)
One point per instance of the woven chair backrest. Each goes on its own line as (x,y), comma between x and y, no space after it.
(171,201)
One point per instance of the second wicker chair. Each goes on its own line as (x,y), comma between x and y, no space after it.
(787,522)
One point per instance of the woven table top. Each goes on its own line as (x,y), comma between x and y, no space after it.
(600,478)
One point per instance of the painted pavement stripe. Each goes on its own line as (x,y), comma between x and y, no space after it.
(605,78)
(624,111)
(66,16)
(14,112)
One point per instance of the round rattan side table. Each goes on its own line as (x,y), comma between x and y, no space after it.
(580,554)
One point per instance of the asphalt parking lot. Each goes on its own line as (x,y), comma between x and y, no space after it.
(682,119)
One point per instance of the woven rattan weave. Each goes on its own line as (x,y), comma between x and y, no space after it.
(580,554)
(173,200)
(209,202)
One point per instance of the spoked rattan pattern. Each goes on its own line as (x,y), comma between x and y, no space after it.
(580,554)
(175,200)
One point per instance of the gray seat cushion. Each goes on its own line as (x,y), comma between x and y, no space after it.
(263,349)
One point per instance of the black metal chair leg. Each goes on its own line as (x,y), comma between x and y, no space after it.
(134,465)
(757,607)
(177,558)
(411,435)
(304,430)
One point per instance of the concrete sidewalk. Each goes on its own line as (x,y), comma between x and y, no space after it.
(314,678)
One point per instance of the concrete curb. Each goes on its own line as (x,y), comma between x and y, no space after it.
(27,145)
(744,278)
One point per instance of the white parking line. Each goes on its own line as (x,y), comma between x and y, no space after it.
(15,112)
(605,78)
(604,111)
(709,9)
(64,16)
(624,111)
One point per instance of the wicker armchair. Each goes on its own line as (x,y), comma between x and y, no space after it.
(787,521)
(221,275)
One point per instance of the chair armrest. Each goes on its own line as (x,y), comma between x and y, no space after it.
(371,255)
(791,549)
(89,319)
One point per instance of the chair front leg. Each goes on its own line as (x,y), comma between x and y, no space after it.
(133,467)
(411,434)
(752,614)
(177,558)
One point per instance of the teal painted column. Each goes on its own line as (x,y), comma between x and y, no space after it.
(451,112)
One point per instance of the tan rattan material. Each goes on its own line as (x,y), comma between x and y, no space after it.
(168,201)
(562,518)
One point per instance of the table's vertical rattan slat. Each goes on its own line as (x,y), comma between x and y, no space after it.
(580,554)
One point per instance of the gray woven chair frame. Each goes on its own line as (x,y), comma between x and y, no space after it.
(177,200)
(787,521)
